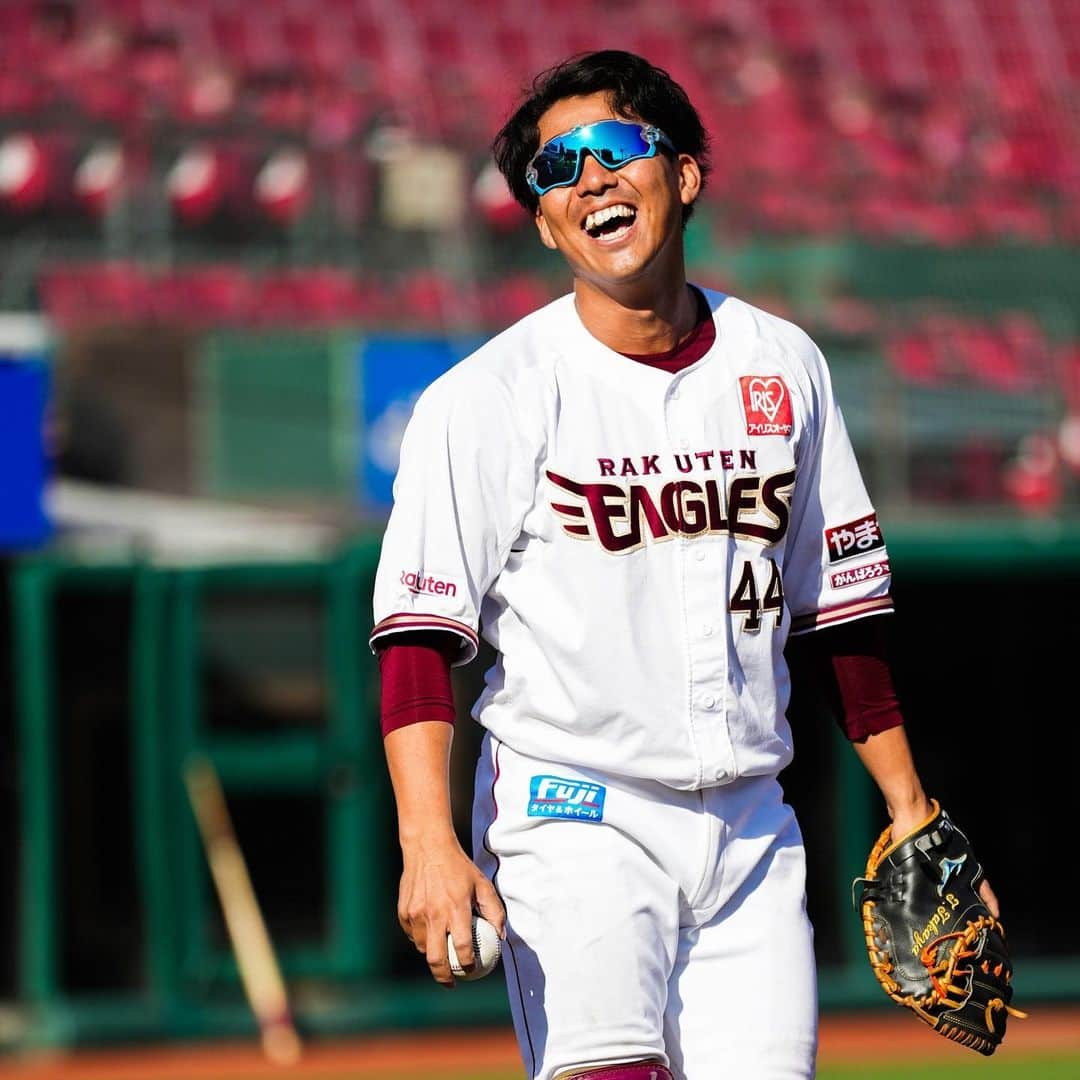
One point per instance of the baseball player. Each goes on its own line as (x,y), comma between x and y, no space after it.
(636,494)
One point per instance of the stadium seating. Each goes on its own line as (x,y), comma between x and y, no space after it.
(935,346)
(948,122)
(894,123)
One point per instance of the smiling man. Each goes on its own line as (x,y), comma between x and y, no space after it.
(637,495)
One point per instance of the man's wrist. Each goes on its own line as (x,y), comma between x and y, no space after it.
(909,813)
(427,836)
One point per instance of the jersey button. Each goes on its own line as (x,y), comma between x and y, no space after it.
(721,774)
(708,701)
(699,555)
(707,630)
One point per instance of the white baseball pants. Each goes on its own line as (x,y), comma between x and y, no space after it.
(648,922)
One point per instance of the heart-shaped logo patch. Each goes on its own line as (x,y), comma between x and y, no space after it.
(767,405)
(767,395)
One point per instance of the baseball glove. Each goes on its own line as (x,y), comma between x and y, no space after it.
(932,942)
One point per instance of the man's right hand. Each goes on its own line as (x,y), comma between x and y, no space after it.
(440,889)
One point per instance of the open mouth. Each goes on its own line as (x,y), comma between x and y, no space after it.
(611,221)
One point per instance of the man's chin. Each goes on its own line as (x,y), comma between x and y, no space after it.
(618,275)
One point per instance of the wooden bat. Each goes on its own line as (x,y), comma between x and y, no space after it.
(251,945)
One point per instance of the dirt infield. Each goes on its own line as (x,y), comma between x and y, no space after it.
(844,1038)
(873,1036)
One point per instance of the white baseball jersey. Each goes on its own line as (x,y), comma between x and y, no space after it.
(636,545)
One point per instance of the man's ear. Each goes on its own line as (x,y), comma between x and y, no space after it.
(689,172)
(542,228)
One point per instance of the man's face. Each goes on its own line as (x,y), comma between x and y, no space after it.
(644,235)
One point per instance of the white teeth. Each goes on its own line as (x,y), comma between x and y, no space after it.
(598,217)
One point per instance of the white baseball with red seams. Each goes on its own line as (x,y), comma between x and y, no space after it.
(486,951)
(638,547)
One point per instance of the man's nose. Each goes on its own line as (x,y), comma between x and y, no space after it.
(595,176)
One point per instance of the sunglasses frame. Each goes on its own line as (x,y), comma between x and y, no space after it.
(649,132)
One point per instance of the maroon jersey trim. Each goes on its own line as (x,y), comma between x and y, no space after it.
(840,613)
(407,621)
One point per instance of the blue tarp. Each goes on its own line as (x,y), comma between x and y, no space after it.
(24,393)
(393,372)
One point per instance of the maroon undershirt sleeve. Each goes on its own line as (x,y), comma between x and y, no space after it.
(415,672)
(852,662)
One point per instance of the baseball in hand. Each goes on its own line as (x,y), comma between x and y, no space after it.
(486,949)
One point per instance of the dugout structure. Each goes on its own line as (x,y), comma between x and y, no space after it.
(264,666)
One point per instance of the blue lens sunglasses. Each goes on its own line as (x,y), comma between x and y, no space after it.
(614,143)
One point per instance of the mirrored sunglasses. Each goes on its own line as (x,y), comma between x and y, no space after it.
(614,143)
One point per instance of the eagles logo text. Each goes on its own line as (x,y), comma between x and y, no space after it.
(621,518)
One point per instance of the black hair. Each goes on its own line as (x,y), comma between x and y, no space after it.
(637,89)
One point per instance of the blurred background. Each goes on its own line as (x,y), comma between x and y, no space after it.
(236,240)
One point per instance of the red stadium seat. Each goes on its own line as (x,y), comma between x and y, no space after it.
(99,293)
(914,356)
(206,296)
(990,360)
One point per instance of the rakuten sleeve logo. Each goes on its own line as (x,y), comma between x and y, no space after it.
(854,538)
(767,405)
(416,581)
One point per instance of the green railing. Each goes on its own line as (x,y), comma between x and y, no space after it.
(348,979)
(189,984)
